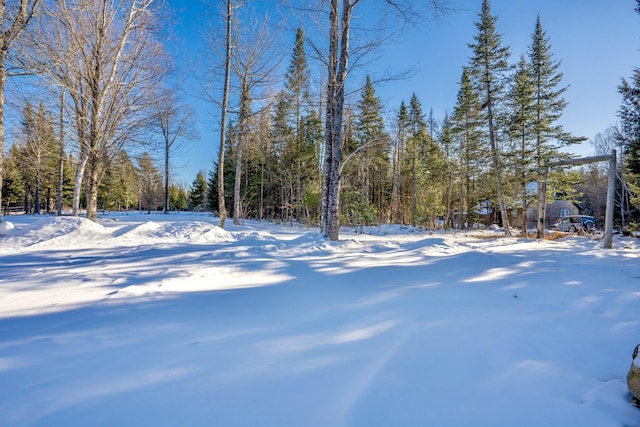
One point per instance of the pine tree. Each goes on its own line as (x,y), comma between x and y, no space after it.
(177,197)
(198,192)
(150,184)
(120,187)
(522,127)
(629,114)
(448,184)
(398,156)
(548,107)
(40,154)
(415,142)
(13,185)
(300,152)
(488,67)
(467,132)
(372,144)
(548,102)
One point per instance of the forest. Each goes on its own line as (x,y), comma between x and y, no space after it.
(102,112)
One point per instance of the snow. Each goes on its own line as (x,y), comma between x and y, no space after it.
(166,320)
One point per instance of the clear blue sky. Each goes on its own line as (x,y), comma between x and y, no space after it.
(597,43)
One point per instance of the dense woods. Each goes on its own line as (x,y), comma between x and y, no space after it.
(302,139)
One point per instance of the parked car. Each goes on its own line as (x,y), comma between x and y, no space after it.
(575,223)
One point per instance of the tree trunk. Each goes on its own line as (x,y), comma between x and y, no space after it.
(237,201)
(77,189)
(92,191)
(496,169)
(61,156)
(167,147)
(36,206)
(222,211)
(3,80)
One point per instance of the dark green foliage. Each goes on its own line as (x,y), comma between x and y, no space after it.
(119,189)
(198,192)
(178,198)
(548,103)
(489,66)
(150,184)
(629,114)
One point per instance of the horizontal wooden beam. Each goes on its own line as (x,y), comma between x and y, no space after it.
(580,161)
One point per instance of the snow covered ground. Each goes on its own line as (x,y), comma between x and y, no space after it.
(166,320)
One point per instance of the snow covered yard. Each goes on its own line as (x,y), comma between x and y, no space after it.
(152,320)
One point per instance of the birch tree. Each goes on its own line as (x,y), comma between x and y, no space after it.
(209,88)
(337,61)
(105,56)
(14,18)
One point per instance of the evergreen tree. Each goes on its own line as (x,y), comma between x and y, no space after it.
(120,187)
(467,132)
(398,155)
(548,103)
(522,121)
(448,184)
(39,146)
(372,143)
(548,106)
(150,184)
(299,152)
(198,192)
(488,67)
(212,189)
(415,142)
(13,186)
(425,168)
(178,197)
(629,114)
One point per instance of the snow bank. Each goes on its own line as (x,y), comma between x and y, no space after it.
(6,227)
(175,321)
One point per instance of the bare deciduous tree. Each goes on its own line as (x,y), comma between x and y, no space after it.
(253,63)
(105,56)
(14,18)
(175,121)
(209,88)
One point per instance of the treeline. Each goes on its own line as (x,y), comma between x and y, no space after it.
(112,116)
(477,165)
(33,174)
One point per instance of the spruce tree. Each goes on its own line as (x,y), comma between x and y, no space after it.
(446,141)
(150,184)
(522,122)
(297,102)
(548,101)
(489,66)
(198,191)
(467,132)
(372,144)
(398,162)
(417,139)
(629,114)
(548,107)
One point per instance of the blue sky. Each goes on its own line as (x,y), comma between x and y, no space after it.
(597,43)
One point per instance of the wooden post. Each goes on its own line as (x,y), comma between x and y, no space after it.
(542,203)
(611,189)
(611,201)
